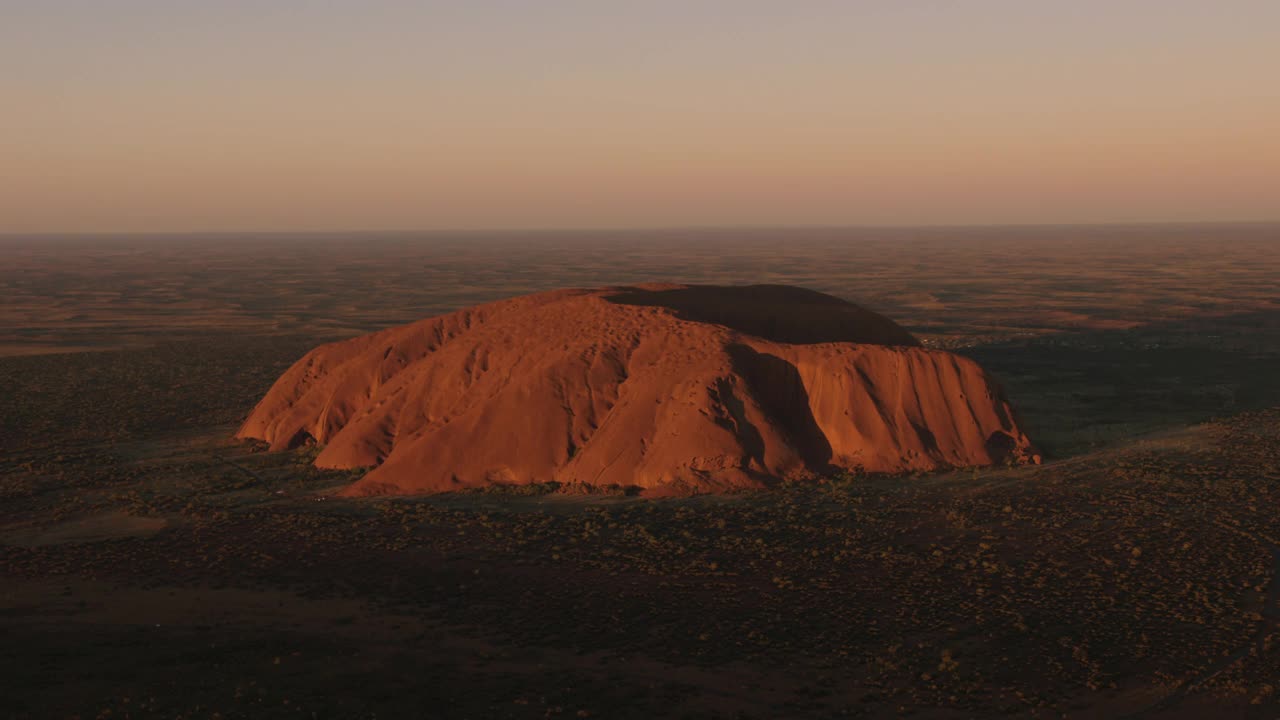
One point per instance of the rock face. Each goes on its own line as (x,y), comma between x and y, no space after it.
(673,388)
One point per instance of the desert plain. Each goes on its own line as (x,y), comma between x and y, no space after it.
(153,566)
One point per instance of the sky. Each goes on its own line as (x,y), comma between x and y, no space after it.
(180,115)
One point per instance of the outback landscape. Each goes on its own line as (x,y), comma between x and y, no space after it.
(153,565)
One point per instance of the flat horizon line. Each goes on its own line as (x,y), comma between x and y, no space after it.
(639,229)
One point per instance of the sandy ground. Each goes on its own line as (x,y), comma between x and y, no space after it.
(151,567)
(168,582)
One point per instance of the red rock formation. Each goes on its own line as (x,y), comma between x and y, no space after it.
(660,386)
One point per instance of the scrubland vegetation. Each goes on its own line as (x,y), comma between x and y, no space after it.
(1138,578)
(151,567)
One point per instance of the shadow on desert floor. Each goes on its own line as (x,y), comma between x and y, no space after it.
(1079,391)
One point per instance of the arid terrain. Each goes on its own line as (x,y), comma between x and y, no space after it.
(152,566)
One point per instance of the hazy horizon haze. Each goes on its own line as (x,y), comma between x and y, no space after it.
(143,116)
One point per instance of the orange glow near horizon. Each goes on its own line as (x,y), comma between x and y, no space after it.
(179,116)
